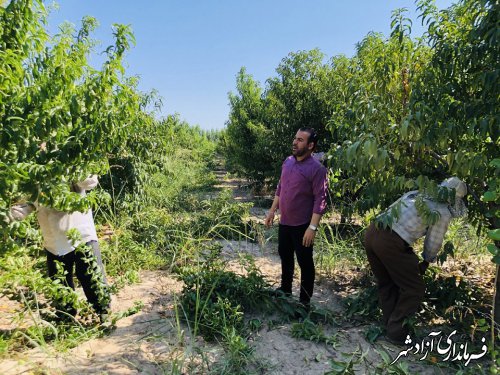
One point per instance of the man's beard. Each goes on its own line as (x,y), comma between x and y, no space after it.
(299,151)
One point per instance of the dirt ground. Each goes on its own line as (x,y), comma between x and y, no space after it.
(148,342)
(152,341)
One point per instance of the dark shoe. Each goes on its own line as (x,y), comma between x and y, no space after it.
(66,314)
(303,310)
(103,317)
(306,305)
(103,313)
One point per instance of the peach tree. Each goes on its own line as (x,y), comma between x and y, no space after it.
(60,117)
(423,114)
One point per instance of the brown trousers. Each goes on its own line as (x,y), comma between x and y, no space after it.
(401,288)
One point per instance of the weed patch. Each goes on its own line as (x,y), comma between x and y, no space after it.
(223,218)
(214,299)
(311,331)
(214,302)
(363,303)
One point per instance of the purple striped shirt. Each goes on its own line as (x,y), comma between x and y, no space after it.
(301,190)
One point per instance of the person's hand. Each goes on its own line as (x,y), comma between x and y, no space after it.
(19,212)
(268,222)
(308,239)
(422,266)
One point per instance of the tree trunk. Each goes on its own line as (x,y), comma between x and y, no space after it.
(496,306)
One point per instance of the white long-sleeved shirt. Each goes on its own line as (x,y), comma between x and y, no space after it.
(410,226)
(55,224)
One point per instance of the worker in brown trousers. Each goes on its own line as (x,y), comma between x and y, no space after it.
(396,267)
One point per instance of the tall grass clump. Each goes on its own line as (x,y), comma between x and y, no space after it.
(214,297)
(216,303)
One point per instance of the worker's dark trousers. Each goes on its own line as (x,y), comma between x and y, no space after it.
(75,260)
(400,286)
(290,242)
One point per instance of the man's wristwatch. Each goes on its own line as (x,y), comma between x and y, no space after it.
(313,227)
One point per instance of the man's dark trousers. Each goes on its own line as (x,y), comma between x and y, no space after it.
(75,260)
(290,242)
(400,286)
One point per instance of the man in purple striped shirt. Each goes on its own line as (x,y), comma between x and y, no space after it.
(301,199)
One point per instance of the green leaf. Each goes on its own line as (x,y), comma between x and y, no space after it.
(495,163)
(492,249)
(404,129)
(496,259)
(494,234)
(490,196)
(397,154)
(338,365)
(384,356)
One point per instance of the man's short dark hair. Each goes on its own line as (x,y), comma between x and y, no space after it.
(313,136)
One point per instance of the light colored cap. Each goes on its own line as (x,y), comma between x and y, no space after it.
(457,184)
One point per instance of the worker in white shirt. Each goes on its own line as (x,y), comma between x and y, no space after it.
(54,226)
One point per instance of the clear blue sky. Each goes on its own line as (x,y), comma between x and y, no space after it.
(190,51)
